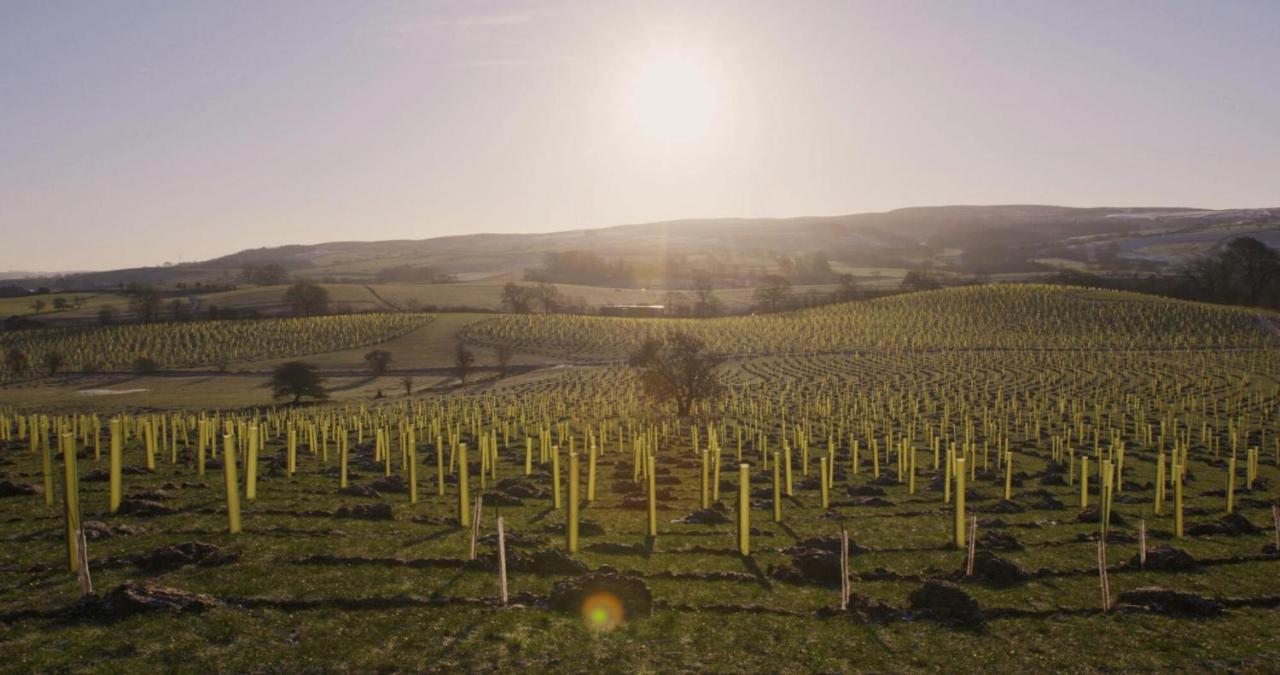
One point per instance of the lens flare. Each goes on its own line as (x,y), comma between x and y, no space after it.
(602,611)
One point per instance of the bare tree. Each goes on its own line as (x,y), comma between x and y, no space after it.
(15,361)
(463,362)
(307,298)
(297,379)
(378,360)
(53,362)
(773,292)
(503,353)
(677,368)
(705,301)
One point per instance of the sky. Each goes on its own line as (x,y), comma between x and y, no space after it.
(138,133)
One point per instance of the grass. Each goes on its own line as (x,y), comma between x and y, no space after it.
(373,613)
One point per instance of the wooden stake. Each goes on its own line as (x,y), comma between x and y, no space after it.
(475,526)
(1104,584)
(744,509)
(502,561)
(82,572)
(844,569)
(1275,516)
(1142,543)
(973,546)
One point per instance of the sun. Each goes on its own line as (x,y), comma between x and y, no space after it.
(673,99)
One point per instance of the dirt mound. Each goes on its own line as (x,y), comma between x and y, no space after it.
(641,502)
(865,491)
(1230,525)
(586,528)
(1002,506)
(390,484)
(501,499)
(1053,479)
(103,476)
(998,541)
(521,488)
(1092,514)
(631,590)
(946,603)
(627,487)
(543,561)
(363,491)
(96,529)
(186,553)
(145,508)
(814,560)
(1166,559)
(1165,601)
(872,501)
(366,512)
(515,540)
(710,516)
(831,544)
(8,489)
(154,495)
(615,548)
(991,569)
(132,598)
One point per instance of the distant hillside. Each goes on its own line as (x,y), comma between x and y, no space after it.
(988,239)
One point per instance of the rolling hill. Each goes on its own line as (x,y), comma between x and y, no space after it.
(946,236)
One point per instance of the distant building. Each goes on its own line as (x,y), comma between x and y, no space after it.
(632,310)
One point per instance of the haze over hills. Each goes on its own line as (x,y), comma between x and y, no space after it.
(988,239)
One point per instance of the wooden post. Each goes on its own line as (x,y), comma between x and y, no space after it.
(826,491)
(202,441)
(115,466)
(786,468)
(1103,583)
(1231,484)
(777,489)
(571,522)
(653,496)
(343,454)
(973,546)
(844,569)
(1142,544)
(82,571)
(439,466)
(1177,500)
(1008,476)
(251,466)
(706,479)
(413,469)
(555,477)
(1084,482)
(960,478)
(744,509)
(1160,484)
(502,561)
(46,465)
(464,498)
(71,498)
(592,453)
(233,488)
(475,526)
(1275,517)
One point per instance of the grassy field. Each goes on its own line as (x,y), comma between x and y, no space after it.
(1139,381)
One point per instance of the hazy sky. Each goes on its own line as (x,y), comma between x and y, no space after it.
(142,132)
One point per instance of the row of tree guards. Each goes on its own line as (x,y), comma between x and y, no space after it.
(238,441)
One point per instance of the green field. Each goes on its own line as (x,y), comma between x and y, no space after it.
(885,391)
